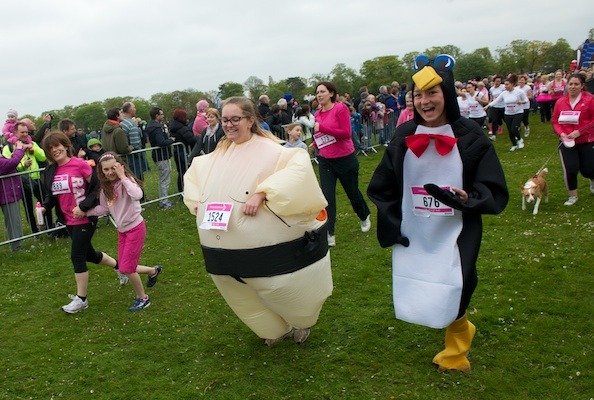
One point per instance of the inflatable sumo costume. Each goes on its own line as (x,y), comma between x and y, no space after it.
(435,236)
(273,269)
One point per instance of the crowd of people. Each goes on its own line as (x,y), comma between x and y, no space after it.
(266,223)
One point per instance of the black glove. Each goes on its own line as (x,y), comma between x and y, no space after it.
(445,196)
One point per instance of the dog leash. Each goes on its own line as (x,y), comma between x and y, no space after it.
(548,159)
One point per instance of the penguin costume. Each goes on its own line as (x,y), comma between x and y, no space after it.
(438,175)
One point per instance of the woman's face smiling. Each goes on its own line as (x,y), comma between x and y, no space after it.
(430,105)
(59,154)
(240,131)
(108,168)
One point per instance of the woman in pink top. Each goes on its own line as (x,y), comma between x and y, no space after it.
(408,113)
(337,159)
(120,196)
(557,87)
(200,122)
(71,188)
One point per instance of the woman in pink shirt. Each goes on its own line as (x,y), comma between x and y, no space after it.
(71,188)
(408,113)
(337,159)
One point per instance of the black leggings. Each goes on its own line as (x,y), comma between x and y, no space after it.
(346,170)
(513,123)
(525,117)
(545,110)
(81,249)
(579,158)
(496,116)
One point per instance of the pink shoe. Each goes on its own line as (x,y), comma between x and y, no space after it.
(500,130)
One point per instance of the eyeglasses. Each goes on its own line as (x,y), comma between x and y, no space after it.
(233,120)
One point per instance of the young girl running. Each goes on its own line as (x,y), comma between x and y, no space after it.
(120,196)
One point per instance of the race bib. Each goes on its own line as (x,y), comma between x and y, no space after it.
(216,216)
(569,117)
(61,185)
(322,140)
(511,109)
(425,205)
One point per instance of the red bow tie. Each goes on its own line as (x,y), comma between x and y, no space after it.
(418,143)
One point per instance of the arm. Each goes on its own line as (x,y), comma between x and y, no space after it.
(132,188)
(293,188)
(121,142)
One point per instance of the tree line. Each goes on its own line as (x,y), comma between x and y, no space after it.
(519,56)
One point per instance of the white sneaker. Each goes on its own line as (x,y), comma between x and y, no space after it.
(520,143)
(571,201)
(513,148)
(592,186)
(331,240)
(366,224)
(526,131)
(492,137)
(123,278)
(75,305)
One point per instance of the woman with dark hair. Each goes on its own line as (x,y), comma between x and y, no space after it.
(513,100)
(262,227)
(72,187)
(573,121)
(337,159)
(477,101)
(438,175)
(182,132)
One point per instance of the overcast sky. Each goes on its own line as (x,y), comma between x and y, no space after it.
(70,52)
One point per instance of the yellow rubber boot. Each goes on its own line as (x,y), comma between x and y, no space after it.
(458,339)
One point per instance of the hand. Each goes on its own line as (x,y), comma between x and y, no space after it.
(78,213)
(574,135)
(461,194)
(27,146)
(253,204)
(43,210)
(81,154)
(317,127)
(28,163)
(119,170)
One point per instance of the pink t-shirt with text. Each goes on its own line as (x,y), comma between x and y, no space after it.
(69,186)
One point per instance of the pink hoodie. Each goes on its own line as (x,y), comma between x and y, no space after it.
(125,210)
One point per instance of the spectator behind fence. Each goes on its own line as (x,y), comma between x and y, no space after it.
(182,133)
(11,193)
(161,156)
(30,181)
(135,139)
(272,265)
(71,187)
(79,143)
(113,136)
(211,135)
(200,122)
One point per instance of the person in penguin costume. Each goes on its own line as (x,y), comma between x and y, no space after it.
(438,175)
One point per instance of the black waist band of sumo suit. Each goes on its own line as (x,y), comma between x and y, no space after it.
(278,259)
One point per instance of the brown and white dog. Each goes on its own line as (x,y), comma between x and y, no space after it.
(535,189)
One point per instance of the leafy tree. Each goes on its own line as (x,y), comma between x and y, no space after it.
(297,87)
(90,116)
(255,87)
(479,63)
(558,56)
(346,79)
(452,50)
(230,89)
(382,71)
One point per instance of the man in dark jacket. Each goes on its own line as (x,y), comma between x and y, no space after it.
(161,156)
(79,143)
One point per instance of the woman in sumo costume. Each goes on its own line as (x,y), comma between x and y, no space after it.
(262,225)
(436,178)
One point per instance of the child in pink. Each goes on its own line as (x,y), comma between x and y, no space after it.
(8,128)
(120,196)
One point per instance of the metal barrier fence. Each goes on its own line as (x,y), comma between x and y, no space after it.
(18,217)
(373,134)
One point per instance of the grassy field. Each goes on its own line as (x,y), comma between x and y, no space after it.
(532,308)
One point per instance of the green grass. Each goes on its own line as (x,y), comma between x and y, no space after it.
(532,309)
